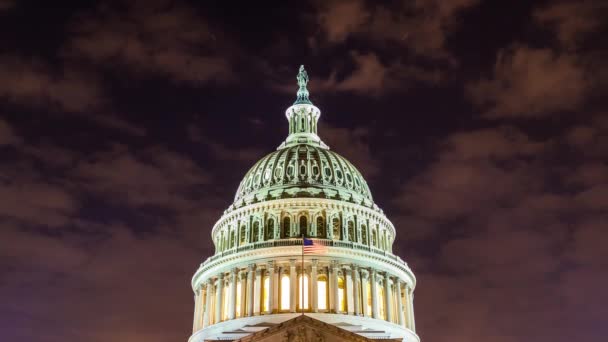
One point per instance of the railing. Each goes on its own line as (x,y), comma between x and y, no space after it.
(298,242)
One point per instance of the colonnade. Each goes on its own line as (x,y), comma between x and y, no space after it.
(319,287)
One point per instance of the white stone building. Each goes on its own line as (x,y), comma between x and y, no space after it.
(258,277)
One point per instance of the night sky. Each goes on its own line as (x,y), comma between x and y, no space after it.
(480,126)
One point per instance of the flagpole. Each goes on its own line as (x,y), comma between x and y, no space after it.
(302,283)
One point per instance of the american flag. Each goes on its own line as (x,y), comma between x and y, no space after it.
(312,247)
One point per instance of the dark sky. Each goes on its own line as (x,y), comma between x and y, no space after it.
(480,126)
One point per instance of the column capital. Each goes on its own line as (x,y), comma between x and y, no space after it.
(364,273)
(250,267)
(334,264)
(234,270)
(315,262)
(258,271)
(270,265)
(220,276)
(292,262)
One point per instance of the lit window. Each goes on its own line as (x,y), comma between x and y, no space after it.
(322,293)
(369,299)
(226,301)
(381,302)
(265,295)
(303,292)
(341,294)
(239,295)
(285,305)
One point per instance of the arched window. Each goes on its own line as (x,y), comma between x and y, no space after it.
(243,235)
(266,294)
(232,239)
(351,231)
(374,237)
(322,292)
(364,234)
(270,229)
(256,231)
(303,293)
(335,224)
(286,227)
(285,305)
(341,294)
(303,226)
(321,227)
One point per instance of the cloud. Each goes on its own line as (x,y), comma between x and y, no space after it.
(510,234)
(152,38)
(571,21)
(420,26)
(34,83)
(529,82)
(7,135)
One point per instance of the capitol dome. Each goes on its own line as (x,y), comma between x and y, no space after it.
(304,171)
(259,276)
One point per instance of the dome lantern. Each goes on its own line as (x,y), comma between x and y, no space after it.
(303,117)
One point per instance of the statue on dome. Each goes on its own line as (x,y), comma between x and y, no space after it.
(302,77)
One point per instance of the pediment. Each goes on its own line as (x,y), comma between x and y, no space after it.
(303,329)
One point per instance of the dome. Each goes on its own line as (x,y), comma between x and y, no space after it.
(303,237)
(304,170)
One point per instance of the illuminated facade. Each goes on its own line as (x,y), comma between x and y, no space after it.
(256,278)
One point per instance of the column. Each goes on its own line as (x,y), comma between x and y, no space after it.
(408,310)
(232,299)
(356,287)
(257,295)
(275,289)
(218,298)
(388,303)
(243,303)
(313,286)
(197,294)
(334,285)
(364,299)
(250,272)
(208,294)
(350,295)
(399,302)
(374,287)
(293,284)
(412,311)
(270,269)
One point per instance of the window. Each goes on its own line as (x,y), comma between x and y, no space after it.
(226,300)
(239,296)
(270,229)
(341,294)
(243,235)
(266,294)
(256,231)
(321,227)
(232,239)
(351,231)
(375,237)
(286,227)
(303,226)
(322,292)
(285,305)
(368,306)
(335,223)
(303,296)
(381,302)
(364,234)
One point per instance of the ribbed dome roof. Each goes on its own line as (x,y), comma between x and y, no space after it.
(304,170)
